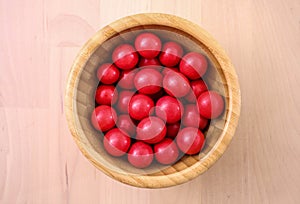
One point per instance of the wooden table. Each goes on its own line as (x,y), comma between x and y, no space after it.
(40,162)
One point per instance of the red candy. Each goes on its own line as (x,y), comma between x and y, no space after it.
(192,117)
(198,87)
(175,84)
(190,140)
(108,73)
(151,130)
(103,118)
(173,129)
(193,65)
(147,84)
(169,109)
(125,56)
(106,95)
(123,101)
(116,142)
(140,155)
(126,79)
(171,54)
(169,69)
(211,104)
(148,45)
(140,106)
(144,62)
(166,152)
(157,95)
(126,124)
(148,81)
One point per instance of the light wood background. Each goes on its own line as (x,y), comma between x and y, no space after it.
(39,161)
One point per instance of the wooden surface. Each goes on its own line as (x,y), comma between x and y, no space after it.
(39,161)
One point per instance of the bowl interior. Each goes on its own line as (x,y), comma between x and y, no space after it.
(87,83)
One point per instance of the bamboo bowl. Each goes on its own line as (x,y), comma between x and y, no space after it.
(82,83)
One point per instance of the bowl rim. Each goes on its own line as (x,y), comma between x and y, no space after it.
(234,102)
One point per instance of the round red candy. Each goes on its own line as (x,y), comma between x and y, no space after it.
(148,81)
(169,109)
(148,45)
(106,95)
(140,106)
(171,54)
(173,129)
(144,62)
(123,101)
(198,87)
(151,130)
(161,66)
(192,117)
(211,104)
(166,152)
(126,124)
(169,69)
(125,56)
(157,95)
(193,65)
(140,155)
(108,73)
(116,142)
(127,79)
(103,118)
(175,84)
(190,140)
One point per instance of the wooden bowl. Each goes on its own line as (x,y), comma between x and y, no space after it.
(82,83)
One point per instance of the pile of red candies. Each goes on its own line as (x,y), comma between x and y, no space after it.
(152,102)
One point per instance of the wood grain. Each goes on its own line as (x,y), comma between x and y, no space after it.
(39,161)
